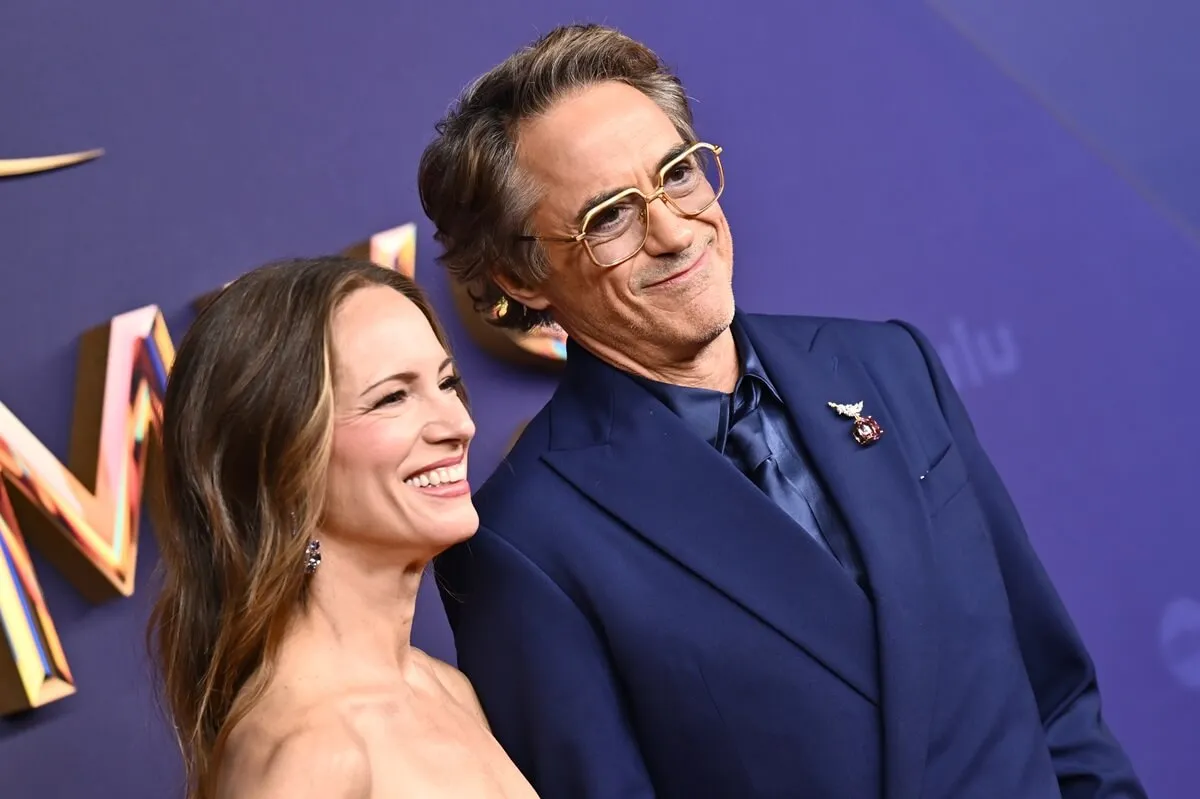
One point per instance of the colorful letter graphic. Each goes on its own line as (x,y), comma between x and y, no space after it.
(394,248)
(11,167)
(83,517)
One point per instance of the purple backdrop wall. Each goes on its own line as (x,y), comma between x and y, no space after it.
(880,164)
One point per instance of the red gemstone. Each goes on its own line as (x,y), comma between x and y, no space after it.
(866,430)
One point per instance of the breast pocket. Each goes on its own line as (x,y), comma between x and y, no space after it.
(943,480)
(963,544)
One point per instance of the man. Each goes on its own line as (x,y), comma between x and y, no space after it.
(695,577)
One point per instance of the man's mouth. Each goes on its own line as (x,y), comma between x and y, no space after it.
(682,273)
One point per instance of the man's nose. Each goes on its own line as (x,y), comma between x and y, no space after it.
(668,232)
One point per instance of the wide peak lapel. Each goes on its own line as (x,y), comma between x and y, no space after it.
(878,494)
(679,495)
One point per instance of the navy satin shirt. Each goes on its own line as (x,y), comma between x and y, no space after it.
(712,414)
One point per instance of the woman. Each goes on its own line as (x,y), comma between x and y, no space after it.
(315,441)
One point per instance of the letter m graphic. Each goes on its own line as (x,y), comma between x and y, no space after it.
(82,517)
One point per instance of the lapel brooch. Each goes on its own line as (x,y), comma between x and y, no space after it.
(865,429)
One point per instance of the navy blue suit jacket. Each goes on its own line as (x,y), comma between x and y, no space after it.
(640,621)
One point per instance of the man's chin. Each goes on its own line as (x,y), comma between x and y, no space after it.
(712,325)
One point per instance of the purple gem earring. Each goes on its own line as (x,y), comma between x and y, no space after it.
(312,556)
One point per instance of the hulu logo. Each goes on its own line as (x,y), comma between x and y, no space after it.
(976,356)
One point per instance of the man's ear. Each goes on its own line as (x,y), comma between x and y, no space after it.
(531,298)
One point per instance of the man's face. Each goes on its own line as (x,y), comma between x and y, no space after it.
(671,298)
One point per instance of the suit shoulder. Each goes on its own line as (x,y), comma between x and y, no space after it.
(517,479)
(894,338)
(845,335)
(524,447)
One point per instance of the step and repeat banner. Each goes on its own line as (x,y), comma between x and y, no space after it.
(1021,184)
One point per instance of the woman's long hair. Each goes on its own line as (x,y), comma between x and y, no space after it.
(247,426)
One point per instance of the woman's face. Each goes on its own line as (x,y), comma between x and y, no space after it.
(398,467)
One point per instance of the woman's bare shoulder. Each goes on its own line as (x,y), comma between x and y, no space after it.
(456,684)
(315,755)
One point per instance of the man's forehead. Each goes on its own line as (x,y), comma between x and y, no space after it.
(604,133)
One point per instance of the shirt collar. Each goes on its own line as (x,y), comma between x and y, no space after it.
(709,413)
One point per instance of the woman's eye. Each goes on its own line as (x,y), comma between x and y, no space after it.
(390,399)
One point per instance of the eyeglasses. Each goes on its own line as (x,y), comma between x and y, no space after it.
(615,230)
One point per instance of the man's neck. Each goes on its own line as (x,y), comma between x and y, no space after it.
(715,366)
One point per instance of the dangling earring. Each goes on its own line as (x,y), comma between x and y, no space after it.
(312,556)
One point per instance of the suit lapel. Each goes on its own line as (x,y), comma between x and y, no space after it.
(645,467)
(878,493)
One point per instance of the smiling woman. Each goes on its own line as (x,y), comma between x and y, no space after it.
(315,441)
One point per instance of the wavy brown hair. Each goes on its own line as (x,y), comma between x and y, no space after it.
(247,426)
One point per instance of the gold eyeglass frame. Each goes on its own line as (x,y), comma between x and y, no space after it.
(660,192)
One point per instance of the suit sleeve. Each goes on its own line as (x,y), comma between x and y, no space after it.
(541,674)
(1088,760)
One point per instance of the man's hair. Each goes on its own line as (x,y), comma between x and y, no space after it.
(469,180)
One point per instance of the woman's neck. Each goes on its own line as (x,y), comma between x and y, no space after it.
(362,609)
